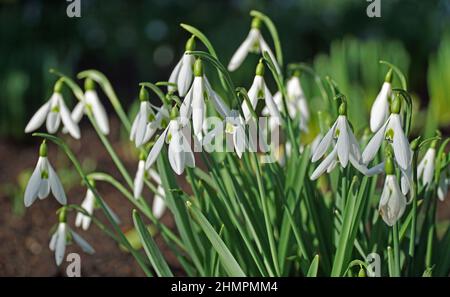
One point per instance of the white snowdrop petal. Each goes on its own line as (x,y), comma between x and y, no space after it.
(53,122)
(60,246)
(44,189)
(324,165)
(186,106)
(198,106)
(380,108)
(32,189)
(239,140)
(219,105)
(139,180)
(402,151)
(77,113)
(38,118)
(428,171)
(185,75)
(56,186)
(243,50)
(377,169)
(156,149)
(253,97)
(374,145)
(273,109)
(66,118)
(98,111)
(343,142)
(323,145)
(174,76)
(141,125)
(82,243)
(176,154)
(159,205)
(52,243)
(265,48)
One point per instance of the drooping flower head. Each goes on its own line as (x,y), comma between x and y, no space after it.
(91,103)
(425,169)
(194,104)
(182,73)
(43,180)
(380,108)
(393,133)
(53,112)
(393,201)
(344,143)
(259,90)
(63,236)
(146,123)
(254,42)
(179,151)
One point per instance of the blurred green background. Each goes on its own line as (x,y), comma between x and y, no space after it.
(134,41)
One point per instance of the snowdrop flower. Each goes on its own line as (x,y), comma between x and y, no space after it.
(43,180)
(84,220)
(406,178)
(88,204)
(194,102)
(391,131)
(234,126)
(146,123)
(259,90)
(393,202)
(91,103)
(53,112)
(296,101)
(159,205)
(180,152)
(182,73)
(62,236)
(425,169)
(380,108)
(345,149)
(254,42)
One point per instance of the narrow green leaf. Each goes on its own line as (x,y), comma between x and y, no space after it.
(312,271)
(228,261)
(151,249)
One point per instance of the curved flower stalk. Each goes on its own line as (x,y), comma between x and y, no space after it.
(345,148)
(182,73)
(235,126)
(146,123)
(392,202)
(254,42)
(179,151)
(380,107)
(194,103)
(91,102)
(391,131)
(296,103)
(43,180)
(259,90)
(425,169)
(53,112)
(63,236)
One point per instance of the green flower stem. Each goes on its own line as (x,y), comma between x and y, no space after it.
(412,239)
(395,238)
(98,198)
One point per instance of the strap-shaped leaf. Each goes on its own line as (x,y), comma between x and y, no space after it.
(229,263)
(312,271)
(151,249)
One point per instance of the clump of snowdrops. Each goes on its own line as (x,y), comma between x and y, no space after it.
(348,203)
